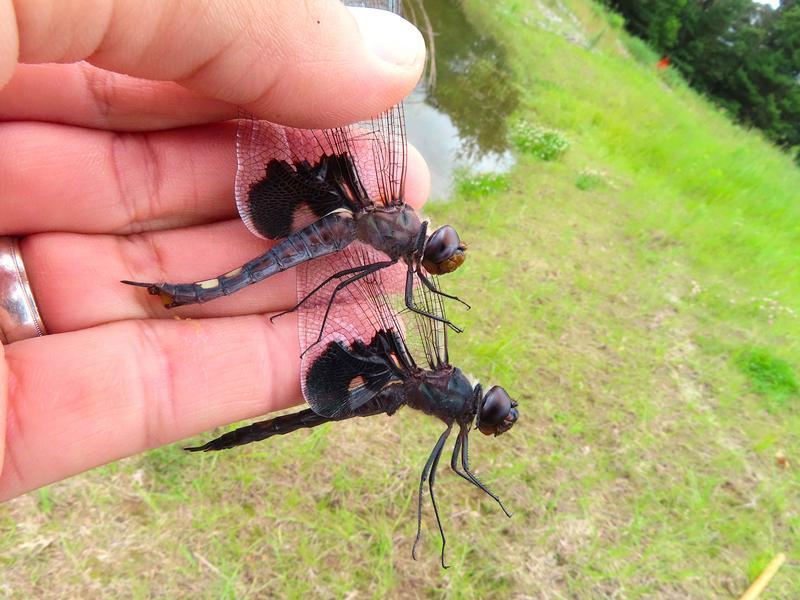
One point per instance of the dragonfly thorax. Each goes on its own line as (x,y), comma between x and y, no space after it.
(392,230)
(445,393)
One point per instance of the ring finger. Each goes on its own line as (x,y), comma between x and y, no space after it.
(75,278)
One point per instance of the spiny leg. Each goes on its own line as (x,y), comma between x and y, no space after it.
(474,478)
(428,284)
(431,482)
(326,282)
(409,300)
(437,449)
(456,456)
(422,237)
(423,478)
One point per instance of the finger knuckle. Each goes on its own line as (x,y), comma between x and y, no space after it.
(102,88)
(143,259)
(136,166)
(154,373)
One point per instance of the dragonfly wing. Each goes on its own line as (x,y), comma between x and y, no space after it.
(340,379)
(347,358)
(284,182)
(394,6)
(287,177)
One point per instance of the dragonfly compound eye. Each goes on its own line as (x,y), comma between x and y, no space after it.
(444,251)
(497,413)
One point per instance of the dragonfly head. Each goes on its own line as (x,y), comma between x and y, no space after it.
(444,251)
(497,412)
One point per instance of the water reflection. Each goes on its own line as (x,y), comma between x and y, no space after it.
(459,121)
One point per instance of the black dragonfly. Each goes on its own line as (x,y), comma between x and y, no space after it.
(318,191)
(377,357)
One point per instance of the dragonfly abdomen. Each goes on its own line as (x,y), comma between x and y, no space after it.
(326,236)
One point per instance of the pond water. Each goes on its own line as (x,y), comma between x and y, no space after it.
(457,117)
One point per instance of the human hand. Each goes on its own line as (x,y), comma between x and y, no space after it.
(101,185)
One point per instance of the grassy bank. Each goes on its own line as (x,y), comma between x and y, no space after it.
(636,295)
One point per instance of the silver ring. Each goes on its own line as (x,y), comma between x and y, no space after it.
(19,317)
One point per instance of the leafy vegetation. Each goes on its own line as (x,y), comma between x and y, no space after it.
(646,325)
(543,143)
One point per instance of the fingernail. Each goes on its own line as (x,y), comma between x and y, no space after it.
(389,36)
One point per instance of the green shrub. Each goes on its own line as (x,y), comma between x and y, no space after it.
(616,20)
(546,144)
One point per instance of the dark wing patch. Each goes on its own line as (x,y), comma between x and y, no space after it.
(288,194)
(342,379)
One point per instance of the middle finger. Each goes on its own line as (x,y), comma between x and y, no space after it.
(65,178)
(75,278)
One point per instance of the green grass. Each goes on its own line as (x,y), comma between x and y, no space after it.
(482,184)
(771,377)
(637,296)
(588,180)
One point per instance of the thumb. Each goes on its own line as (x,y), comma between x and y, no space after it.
(306,64)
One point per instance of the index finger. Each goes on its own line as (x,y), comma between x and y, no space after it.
(284,61)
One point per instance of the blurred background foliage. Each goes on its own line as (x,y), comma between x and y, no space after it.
(744,54)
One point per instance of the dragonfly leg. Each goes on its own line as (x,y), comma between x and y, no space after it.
(263,430)
(324,283)
(474,478)
(437,450)
(419,251)
(427,283)
(422,237)
(340,286)
(456,456)
(431,482)
(409,300)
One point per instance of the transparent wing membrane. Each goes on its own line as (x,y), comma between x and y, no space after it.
(360,311)
(288,177)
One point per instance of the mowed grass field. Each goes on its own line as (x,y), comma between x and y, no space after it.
(638,297)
